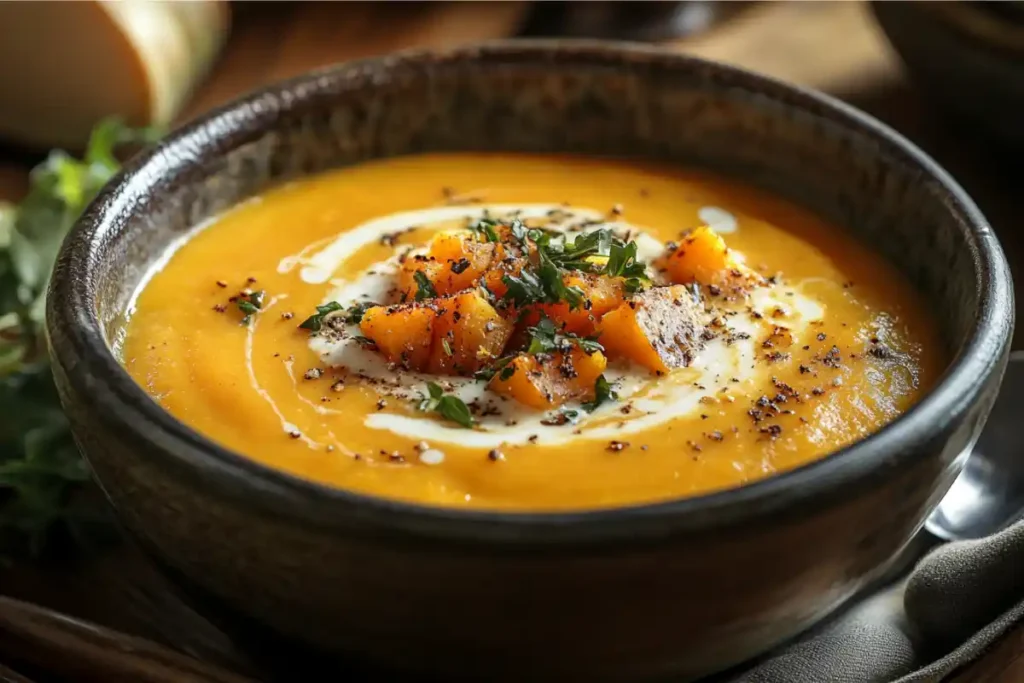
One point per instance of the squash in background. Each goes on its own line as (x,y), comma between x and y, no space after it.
(64,66)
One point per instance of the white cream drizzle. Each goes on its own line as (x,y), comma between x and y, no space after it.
(655,401)
(718,219)
(319,268)
(250,334)
(289,366)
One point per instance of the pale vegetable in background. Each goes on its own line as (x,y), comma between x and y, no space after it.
(66,65)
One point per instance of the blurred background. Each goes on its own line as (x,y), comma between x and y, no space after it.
(65,65)
(949,75)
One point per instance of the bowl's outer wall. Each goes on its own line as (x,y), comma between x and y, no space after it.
(683,592)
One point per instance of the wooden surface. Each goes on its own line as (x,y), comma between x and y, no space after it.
(831,46)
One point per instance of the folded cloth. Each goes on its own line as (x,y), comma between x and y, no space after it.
(958,600)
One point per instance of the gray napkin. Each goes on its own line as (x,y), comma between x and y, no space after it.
(950,608)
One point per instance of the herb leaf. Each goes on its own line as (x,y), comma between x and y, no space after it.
(524,288)
(451,407)
(39,463)
(545,338)
(354,313)
(250,305)
(315,322)
(485,227)
(424,287)
(556,255)
(501,365)
(603,392)
(622,261)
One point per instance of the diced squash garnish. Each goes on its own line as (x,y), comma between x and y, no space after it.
(600,295)
(503,264)
(468,334)
(549,380)
(431,269)
(403,333)
(454,262)
(660,328)
(701,256)
(464,259)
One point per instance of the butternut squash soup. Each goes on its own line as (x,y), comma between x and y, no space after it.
(528,332)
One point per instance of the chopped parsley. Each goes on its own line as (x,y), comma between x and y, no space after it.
(315,322)
(524,288)
(545,338)
(354,313)
(485,228)
(424,287)
(502,365)
(544,281)
(622,262)
(450,407)
(250,305)
(603,392)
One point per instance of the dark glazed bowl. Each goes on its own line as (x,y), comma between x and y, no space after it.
(680,588)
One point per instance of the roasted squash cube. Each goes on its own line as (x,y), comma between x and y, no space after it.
(504,263)
(549,380)
(431,269)
(454,262)
(600,295)
(701,256)
(468,333)
(662,328)
(464,260)
(402,333)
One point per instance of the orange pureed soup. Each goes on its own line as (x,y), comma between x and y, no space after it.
(528,332)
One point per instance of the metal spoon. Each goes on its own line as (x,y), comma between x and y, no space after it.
(988,496)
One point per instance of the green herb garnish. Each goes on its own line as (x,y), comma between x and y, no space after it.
(315,322)
(447,347)
(556,255)
(451,407)
(502,365)
(545,338)
(354,313)
(485,227)
(424,287)
(524,288)
(622,262)
(250,304)
(603,392)
(39,463)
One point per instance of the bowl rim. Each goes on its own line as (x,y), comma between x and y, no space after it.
(81,352)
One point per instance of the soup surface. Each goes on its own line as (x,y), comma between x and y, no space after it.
(528,332)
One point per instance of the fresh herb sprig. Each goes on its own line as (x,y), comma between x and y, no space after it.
(546,338)
(598,252)
(603,392)
(39,464)
(486,229)
(451,407)
(424,287)
(353,314)
(250,305)
(315,322)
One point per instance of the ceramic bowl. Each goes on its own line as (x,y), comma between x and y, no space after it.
(679,588)
(967,56)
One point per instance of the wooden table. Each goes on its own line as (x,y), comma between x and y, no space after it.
(831,46)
